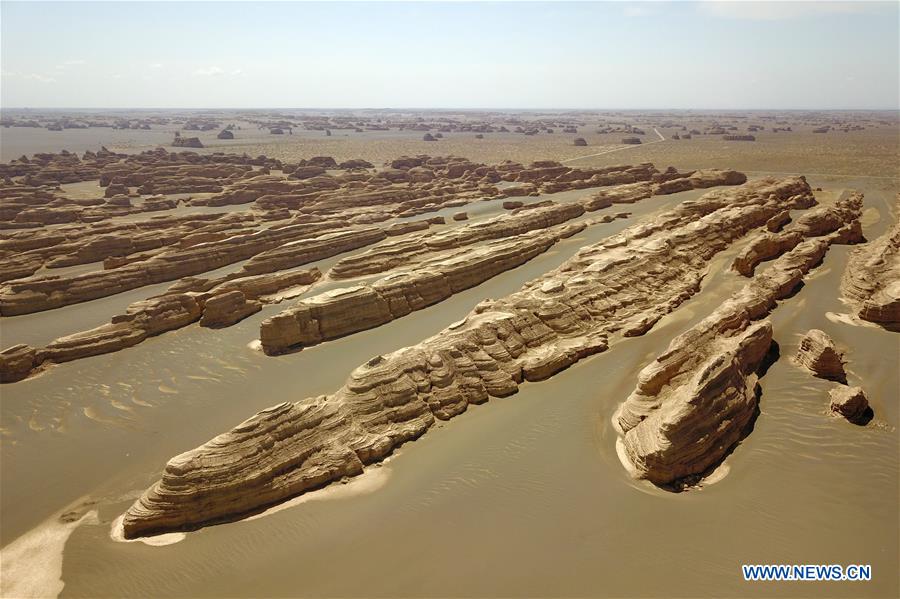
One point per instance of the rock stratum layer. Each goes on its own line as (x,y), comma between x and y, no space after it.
(624,284)
(695,402)
(871,281)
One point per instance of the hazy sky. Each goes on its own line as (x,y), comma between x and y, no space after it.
(466,55)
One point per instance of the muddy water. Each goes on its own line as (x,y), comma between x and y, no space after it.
(523,496)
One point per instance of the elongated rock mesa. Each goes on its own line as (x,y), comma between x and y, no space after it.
(624,284)
(394,253)
(348,310)
(695,402)
(871,281)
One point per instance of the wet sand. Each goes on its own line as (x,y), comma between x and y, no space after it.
(523,496)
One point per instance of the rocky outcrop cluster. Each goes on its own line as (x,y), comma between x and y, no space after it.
(668,182)
(213,302)
(271,249)
(25,252)
(696,401)
(766,245)
(624,284)
(871,281)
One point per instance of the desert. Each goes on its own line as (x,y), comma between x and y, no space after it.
(447,352)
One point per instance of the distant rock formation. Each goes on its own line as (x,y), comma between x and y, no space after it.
(355,163)
(186,142)
(225,134)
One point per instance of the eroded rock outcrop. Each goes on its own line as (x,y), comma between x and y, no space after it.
(850,403)
(871,281)
(16,363)
(226,309)
(272,249)
(394,253)
(818,354)
(695,402)
(347,310)
(215,303)
(766,245)
(624,284)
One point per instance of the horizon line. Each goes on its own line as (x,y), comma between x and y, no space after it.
(449,108)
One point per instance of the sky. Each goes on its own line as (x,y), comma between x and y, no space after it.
(638,55)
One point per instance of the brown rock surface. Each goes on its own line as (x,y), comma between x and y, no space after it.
(16,363)
(822,220)
(215,302)
(227,308)
(818,354)
(851,403)
(393,253)
(347,310)
(871,281)
(267,246)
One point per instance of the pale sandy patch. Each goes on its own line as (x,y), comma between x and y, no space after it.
(32,564)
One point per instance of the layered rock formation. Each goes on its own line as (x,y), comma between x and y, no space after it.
(348,310)
(273,249)
(141,320)
(226,309)
(394,253)
(213,302)
(871,281)
(665,183)
(695,402)
(766,245)
(304,251)
(818,354)
(624,284)
(850,403)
